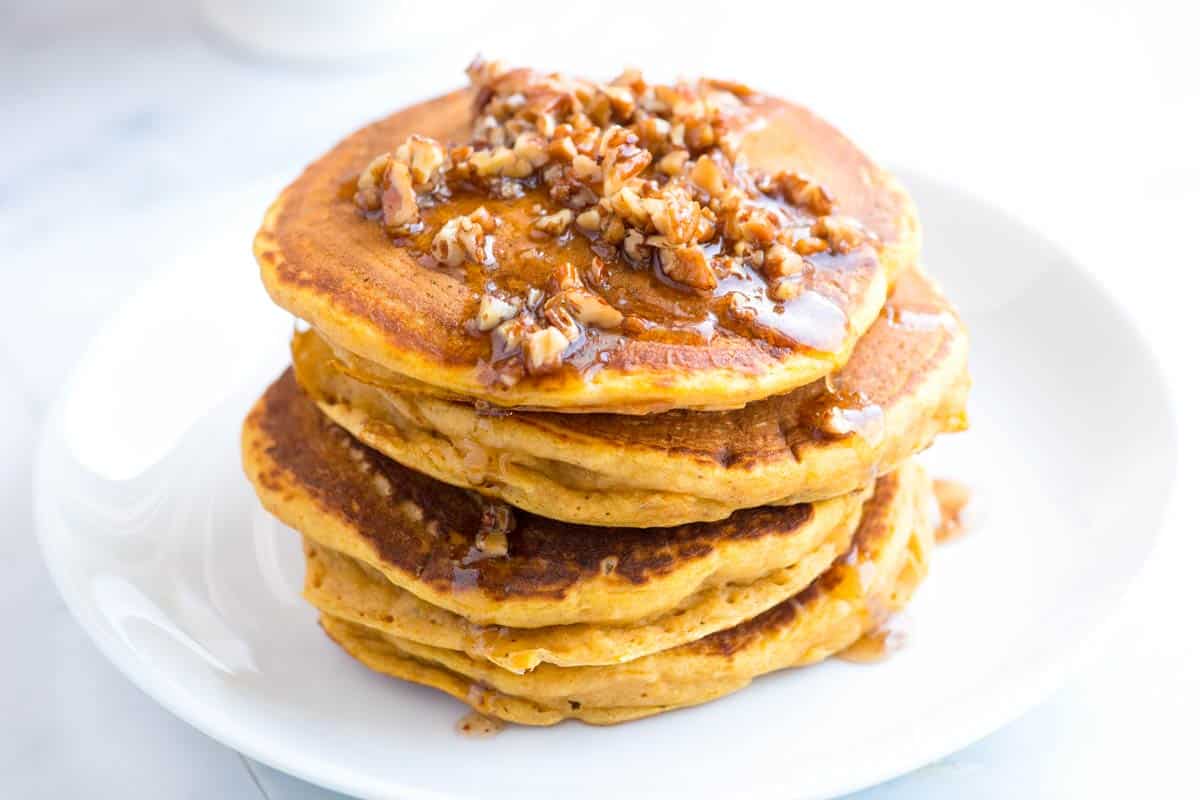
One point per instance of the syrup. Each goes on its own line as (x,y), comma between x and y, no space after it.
(879,644)
(952,499)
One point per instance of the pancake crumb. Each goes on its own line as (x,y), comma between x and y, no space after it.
(474,725)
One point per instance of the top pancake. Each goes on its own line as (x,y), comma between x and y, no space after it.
(324,261)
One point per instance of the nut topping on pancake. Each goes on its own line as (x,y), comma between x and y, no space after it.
(637,177)
(495,523)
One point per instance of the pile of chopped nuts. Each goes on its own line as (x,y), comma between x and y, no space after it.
(651,175)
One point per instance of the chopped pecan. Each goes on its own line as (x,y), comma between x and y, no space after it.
(816,198)
(554,224)
(634,246)
(707,175)
(494,310)
(591,309)
(756,226)
(781,262)
(399,198)
(589,220)
(369,196)
(799,240)
(500,161)
(483,73)
(736,307)
(507,337)
(688,265)
(673,163)
(566,276)
(630,206)
(785,289)
(496,521)
(532,148)
(493,544)
(544,350)
(586,169)
(621,100)
(558,313)
(464,238)
(614,232)
(424,156)
(653,133)
(446,246)
(842,234)
(621,164)
(563,148)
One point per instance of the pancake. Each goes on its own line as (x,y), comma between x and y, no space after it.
(437,541)
(906,382)
(341,587)
(386,299)
(875,578)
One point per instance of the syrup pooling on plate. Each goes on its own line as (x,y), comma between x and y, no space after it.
(952,500)
(585,217)
(879,644)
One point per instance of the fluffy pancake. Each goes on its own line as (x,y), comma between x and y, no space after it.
(423,535)
(323,261)
(872,580)
(342,587)
(906,382)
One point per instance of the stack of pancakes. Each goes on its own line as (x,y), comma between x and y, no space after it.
(681,502)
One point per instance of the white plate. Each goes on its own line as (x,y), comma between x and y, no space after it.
(160,550)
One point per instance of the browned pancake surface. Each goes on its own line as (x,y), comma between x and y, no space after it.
(545,557)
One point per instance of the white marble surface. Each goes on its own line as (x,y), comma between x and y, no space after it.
(1080,118)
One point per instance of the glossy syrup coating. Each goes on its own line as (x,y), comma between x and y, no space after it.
(583,214)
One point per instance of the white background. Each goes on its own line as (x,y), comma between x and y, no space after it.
(1083,119)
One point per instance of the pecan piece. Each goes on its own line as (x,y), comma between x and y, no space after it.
(368,197)
(589,220)
(399,198)
(689,266)
(464,237)
(493,311)
(781,262)
(554,224)
(424,156)
(707,175)
(843,234)
(591,309)
(544,350)
(586,169)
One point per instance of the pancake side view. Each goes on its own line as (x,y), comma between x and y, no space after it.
(906,382)
(873,579)
(339,586)
(545,242)
(491,564)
